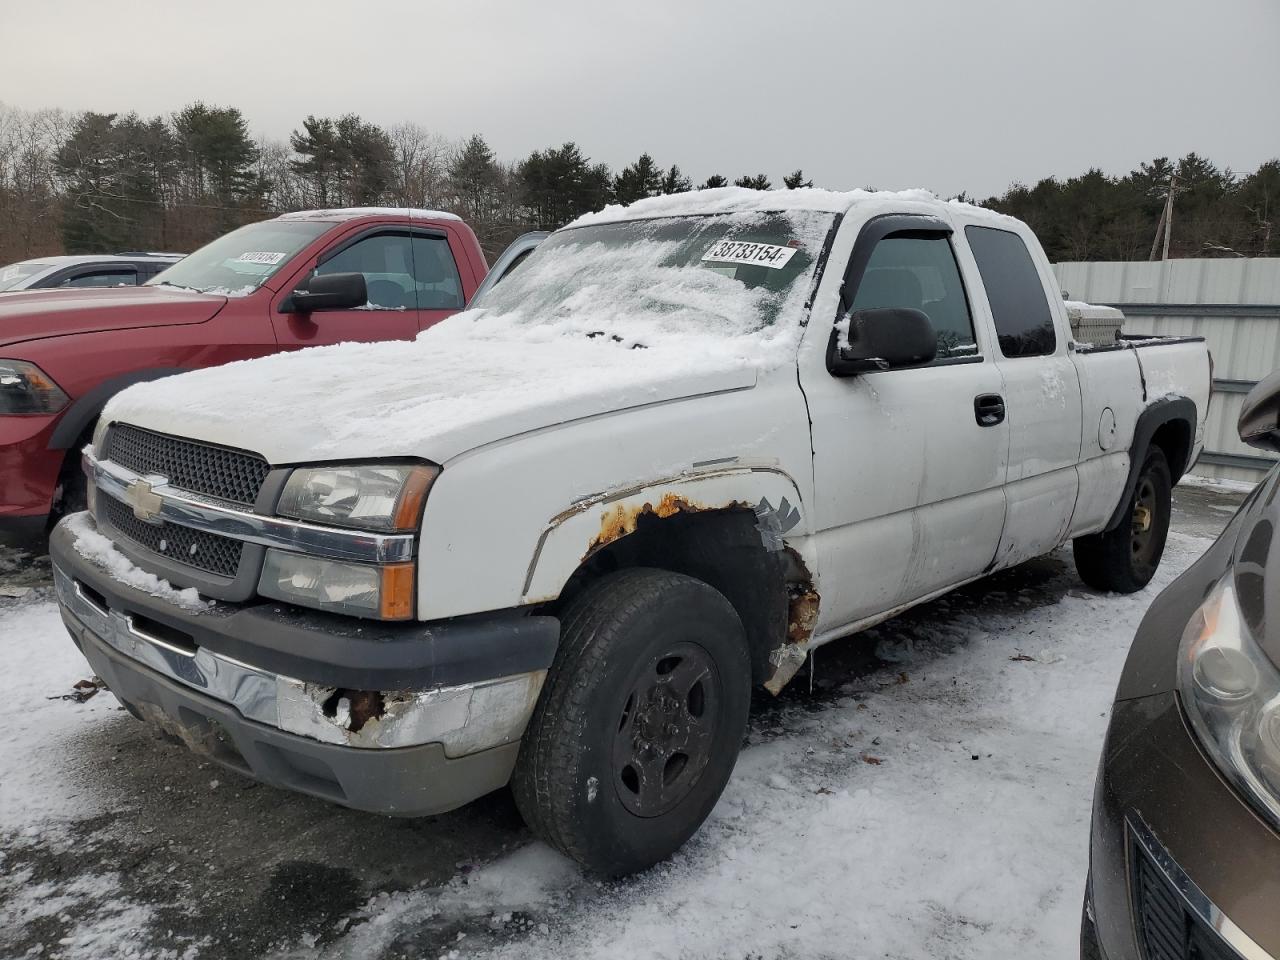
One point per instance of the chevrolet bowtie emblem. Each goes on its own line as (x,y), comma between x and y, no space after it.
(144,501)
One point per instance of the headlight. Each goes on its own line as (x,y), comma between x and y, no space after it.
(357,589)
(1231,693)
(25,388)
(373,497)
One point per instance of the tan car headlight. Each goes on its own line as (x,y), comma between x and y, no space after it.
(1230,691)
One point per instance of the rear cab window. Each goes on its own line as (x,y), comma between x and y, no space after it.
(1023,320)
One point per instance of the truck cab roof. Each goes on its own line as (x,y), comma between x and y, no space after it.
(729,200)
(340,214)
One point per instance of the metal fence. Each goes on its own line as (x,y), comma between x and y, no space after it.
(1233,303)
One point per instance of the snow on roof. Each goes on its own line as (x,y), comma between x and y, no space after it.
(745,200)
(350,213)
(1078,309)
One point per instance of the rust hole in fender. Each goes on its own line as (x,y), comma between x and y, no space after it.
(802,616)
(802,613)
(622,520)
(360,707)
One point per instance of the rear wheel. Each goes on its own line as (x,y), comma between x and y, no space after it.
(639,723)
(1125,559)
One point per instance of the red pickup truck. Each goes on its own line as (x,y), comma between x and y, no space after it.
(302,279)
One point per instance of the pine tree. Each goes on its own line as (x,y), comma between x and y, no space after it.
(637,181)
(675,182)
(473,180)
(114,172)
(758,182)
(320,159)
(714,181)
(218,161)
(560,184)
(795,180)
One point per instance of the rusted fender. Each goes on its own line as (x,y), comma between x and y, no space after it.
(594,522)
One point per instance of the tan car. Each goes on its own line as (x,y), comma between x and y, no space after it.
(1185,853)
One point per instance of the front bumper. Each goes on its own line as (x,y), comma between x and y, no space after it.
(440,726)
(28,475)
(1180,866)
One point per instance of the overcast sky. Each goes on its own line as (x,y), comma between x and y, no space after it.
(947,94)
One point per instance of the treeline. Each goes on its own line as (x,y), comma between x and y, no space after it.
(1216,212)
(94,182)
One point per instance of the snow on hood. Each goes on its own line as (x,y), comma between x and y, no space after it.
(582,329)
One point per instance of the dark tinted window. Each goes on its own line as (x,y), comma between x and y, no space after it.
(1024,324)
(402,272)
(920,272)
(103,278)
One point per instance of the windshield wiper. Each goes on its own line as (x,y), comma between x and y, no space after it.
(177,286)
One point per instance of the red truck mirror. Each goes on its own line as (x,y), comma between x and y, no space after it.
(331,291)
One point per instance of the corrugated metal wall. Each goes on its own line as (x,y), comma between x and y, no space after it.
(1233,303)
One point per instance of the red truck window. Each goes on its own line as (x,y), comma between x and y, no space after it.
(402,271)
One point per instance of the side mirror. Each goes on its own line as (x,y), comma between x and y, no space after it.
(881,339)
(331,291)
(1259,424)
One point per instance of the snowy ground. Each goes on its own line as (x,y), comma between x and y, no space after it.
(928,796)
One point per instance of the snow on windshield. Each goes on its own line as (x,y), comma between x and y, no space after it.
(739,281)
(595,320)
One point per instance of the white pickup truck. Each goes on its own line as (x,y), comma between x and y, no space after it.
(556,539)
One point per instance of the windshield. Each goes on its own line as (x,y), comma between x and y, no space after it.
(241,261)
(640,282)
(15,275)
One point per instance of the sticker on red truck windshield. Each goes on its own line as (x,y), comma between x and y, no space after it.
(744,252)
(261,256)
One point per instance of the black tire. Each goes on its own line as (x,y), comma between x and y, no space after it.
(73,486)
(1125,559)
(652,668)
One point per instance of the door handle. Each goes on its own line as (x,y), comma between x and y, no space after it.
(988,409)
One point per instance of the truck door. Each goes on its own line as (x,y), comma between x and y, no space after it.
(412,282)
(1041,395)
(909,463)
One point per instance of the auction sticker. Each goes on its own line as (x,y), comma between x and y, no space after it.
(744,251)
(260,256)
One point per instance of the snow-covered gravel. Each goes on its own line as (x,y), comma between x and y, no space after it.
(931,801)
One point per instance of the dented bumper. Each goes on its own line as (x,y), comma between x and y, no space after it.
(466,692)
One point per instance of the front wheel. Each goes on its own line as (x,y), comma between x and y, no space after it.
(639,723)
(1125,559)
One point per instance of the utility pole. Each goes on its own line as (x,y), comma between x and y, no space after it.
(1165,224)
(1168,215)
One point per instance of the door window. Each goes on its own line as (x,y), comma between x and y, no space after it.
(402,271)
(920,272)
(1024,324)
(103,278)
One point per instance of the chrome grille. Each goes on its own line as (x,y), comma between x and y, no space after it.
(232,475)
(194,548)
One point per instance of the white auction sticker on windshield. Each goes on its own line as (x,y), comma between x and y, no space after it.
(261,256)
(743,251)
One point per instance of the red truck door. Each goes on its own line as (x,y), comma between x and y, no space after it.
(412,280)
